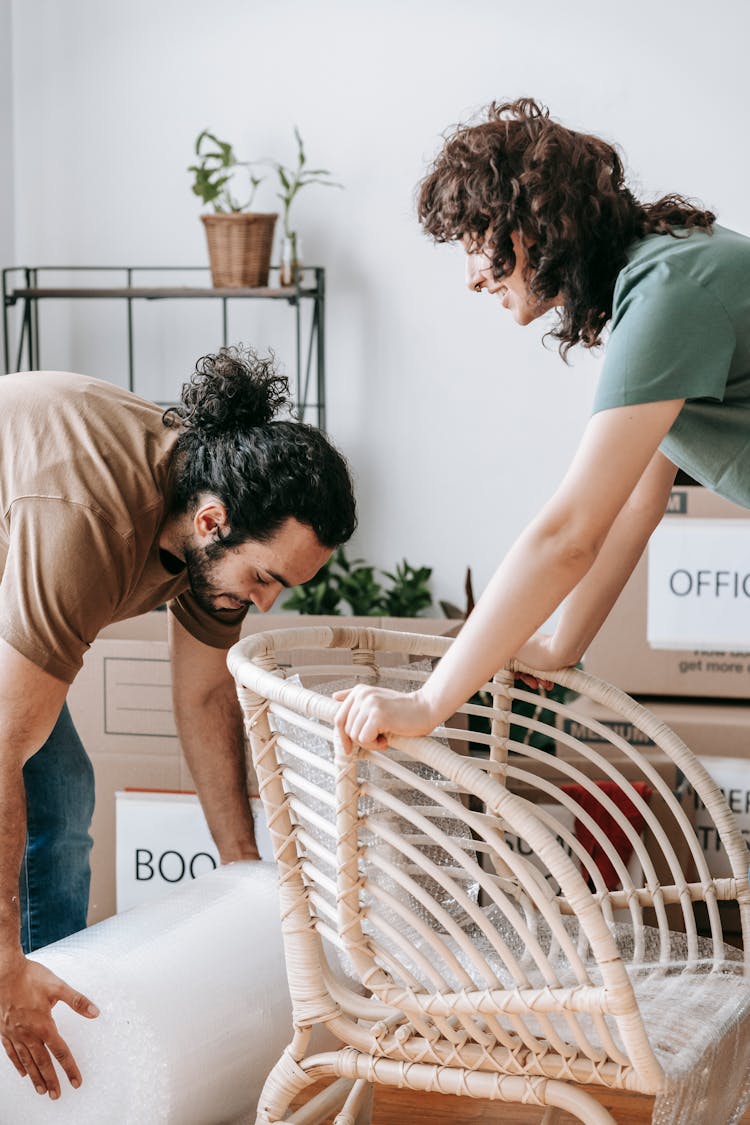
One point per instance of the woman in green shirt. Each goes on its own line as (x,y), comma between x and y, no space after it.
(548,222)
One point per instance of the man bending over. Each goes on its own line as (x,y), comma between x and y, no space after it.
(108,509)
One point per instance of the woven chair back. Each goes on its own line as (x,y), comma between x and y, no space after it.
(492,886)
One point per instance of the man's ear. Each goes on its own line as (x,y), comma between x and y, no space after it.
(210,521)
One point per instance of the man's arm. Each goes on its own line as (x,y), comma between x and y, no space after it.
(30,702)
(209,723)
(586,608)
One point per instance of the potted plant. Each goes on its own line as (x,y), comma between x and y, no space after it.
(350,586)
(291,181)
(239,239)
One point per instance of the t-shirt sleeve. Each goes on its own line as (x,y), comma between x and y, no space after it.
(64,576)
(670,338)
(218,630)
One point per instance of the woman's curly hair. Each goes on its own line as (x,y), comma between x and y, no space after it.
(263,469)
(563,192)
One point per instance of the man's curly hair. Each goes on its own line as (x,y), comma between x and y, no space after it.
(563,192)
(263,469)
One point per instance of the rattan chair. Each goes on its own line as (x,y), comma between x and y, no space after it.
(521,911)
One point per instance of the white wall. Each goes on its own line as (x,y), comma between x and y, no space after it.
(457,422)
(7,247)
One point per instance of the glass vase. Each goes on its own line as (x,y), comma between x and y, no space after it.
(290,265)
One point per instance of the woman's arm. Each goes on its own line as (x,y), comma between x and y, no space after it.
(546,562)
(586,608)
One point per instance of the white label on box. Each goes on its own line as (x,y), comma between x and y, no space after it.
(732,775)
(699,585)
(163,840)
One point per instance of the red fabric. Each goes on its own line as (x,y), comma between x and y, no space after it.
(590,804)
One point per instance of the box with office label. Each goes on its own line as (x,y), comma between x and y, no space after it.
(700,590)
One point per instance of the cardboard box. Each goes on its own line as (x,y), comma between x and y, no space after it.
(122,707)
(547,768)
(578,729)
(567,821)
(699,585)
(719,736)
(163,839)
(620,652)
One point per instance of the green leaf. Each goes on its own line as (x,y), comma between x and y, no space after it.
(214,171)
(320,595)
(409,593)
(362,591)
(227,156)
(199,141)
(300,148)
(324,183)
(207,135)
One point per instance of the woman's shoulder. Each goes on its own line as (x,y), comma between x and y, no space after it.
(685,250)
(715,262)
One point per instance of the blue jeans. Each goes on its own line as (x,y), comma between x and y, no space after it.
(55,872)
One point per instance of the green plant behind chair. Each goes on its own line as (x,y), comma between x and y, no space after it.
(321,595)
(351,586)
(409,593)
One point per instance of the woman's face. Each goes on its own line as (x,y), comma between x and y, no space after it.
(513,290)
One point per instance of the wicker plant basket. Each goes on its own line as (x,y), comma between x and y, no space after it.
(239,248)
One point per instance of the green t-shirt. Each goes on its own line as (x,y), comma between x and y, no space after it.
(681,329)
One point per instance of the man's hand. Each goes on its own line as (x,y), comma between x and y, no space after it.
(367,716)
(28,993)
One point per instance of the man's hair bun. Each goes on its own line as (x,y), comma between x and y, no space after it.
(264,469)
(230,392)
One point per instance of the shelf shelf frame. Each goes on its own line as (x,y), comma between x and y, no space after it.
(22,286)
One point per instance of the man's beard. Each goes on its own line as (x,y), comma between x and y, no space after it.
(201,566)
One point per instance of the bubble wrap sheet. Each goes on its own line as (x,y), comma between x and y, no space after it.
(194,1009)
(697,1018)
(451,825)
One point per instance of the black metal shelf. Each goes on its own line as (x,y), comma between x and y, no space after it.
(310,287)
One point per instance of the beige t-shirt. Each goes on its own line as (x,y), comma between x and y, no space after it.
(84,490)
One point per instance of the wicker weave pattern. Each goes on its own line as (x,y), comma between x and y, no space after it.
(482,940)
(239,248)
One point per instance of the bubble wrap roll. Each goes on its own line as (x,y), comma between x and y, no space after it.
(194,1009)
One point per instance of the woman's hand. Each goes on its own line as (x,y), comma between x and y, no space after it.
(539,653)
(368,715)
